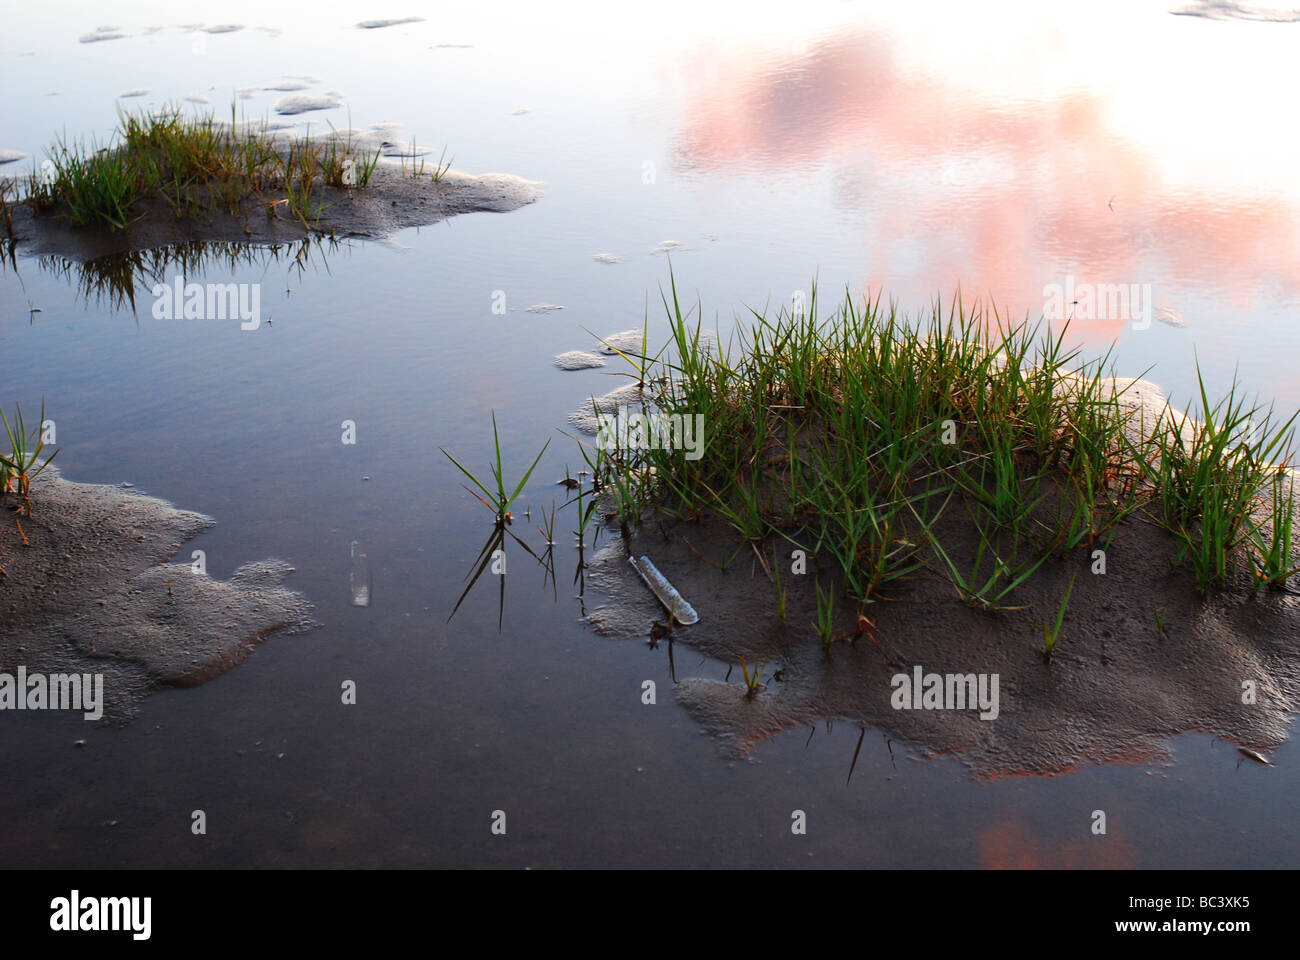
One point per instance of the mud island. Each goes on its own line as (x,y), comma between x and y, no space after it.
(166,179)
(876,493)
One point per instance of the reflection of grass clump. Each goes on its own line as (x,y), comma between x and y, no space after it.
(113,278)
(852,437)
(198,165)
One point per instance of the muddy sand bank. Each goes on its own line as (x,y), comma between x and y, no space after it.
(1141,657)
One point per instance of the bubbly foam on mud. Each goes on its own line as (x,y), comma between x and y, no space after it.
(380,24)
(585,418)
(102,33)
(627,341)
(295,103)
(94,592)
(578,360)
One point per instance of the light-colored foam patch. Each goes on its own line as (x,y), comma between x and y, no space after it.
(1231,10)
(196,98)
(544,308)
(287,86)
(606,257)
(384,138)
(579,360)
(95,592)
(380,24)
(1171,316)
(627,341)
(99,34)
(585,418)
(400,149)
(224,28)
(133,92)
(9,156)
(295,103)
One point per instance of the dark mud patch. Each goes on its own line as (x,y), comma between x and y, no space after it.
(94,592)
(1117,688)
(392,201)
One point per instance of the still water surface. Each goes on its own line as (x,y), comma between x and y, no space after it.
(909,148)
